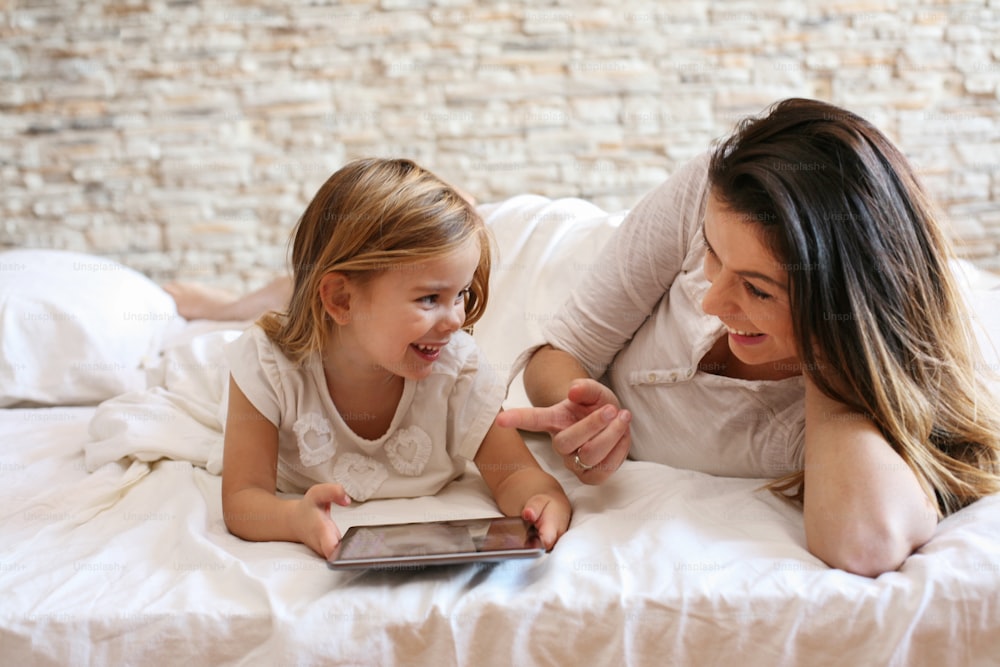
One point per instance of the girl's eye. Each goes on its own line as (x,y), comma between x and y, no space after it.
(756,293)
(428,300)
(463,295)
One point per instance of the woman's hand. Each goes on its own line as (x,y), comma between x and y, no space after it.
(588,428)
(311,520)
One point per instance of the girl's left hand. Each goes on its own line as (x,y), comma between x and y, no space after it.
(550,515)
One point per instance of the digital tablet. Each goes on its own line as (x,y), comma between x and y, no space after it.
(415,545)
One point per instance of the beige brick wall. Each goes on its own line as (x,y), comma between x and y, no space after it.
(184,138)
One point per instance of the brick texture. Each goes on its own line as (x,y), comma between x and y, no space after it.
(184,138)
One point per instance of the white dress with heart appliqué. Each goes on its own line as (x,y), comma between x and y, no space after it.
(438,426)
(408,450)
(360,475)
(314,435)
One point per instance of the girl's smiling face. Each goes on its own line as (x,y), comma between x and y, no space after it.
(401,319)
(749,290)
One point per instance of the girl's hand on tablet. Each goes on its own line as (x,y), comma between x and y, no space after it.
(550,515)
(311,519)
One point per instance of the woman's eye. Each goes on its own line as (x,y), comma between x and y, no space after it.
(711,264)
(756,293)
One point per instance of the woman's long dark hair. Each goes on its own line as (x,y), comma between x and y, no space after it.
(879,322)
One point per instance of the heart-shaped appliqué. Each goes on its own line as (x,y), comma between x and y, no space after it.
(409,450)
(361,476)
(315,438)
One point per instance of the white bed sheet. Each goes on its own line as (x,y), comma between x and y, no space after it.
(132,564)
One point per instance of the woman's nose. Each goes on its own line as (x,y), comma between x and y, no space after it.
(716,300)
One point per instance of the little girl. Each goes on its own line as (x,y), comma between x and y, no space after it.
(367,387)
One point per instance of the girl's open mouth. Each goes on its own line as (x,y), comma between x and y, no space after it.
(427,352)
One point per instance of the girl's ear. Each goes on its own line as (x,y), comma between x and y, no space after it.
(335,293)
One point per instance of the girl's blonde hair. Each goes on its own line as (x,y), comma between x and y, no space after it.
(371,216)
(879,320)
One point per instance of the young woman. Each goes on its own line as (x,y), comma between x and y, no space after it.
(782,308)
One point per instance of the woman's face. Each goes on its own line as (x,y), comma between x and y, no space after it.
(749,291)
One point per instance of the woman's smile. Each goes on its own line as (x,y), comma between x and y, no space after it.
(749,290)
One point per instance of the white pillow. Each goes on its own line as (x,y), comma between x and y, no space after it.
(545,246)
(75,329)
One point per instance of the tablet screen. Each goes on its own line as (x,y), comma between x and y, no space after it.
(437,543)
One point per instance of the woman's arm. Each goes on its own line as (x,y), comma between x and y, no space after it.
(250,507)
(520,486)
(616,293)
(865,512)
(549,374)
(613,297)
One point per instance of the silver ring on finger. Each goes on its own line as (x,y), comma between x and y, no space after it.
(580,464)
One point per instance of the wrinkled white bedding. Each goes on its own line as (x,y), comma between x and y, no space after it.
(132,563)
(113,550)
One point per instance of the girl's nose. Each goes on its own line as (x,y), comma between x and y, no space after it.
(455,318)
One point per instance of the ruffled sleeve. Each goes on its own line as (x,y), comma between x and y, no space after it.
(256,365)
(475,399)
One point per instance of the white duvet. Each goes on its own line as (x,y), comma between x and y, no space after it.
(113,551)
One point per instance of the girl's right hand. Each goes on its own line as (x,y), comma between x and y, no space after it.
(588,428)
(311,519)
